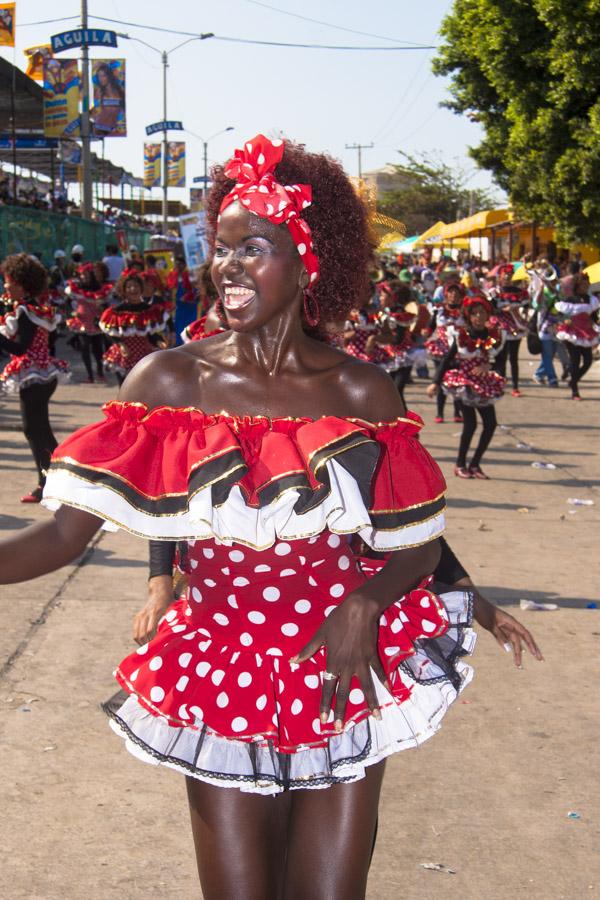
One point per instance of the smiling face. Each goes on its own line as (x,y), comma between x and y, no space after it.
(256,269)
(478,316)
(132,291)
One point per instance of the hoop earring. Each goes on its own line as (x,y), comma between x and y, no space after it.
(312,313)
(220,311)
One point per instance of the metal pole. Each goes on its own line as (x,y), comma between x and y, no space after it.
(86,156)
(205,191)
(165,202)
(14,131)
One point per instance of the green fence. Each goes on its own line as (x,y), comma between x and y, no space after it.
(24,230)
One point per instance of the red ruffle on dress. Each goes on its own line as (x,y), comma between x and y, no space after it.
(87,307)
(267,507)
(131,328)
(511,323)
(578,327)
(466,383)
(36,365)
(446,327)
(197,331)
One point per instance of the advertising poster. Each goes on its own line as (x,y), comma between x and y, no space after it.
(61,98)
(196,198)
(193,238)
(152,158)
(7,24)
(35,60)
(165,262)
(176,164)
(108,111)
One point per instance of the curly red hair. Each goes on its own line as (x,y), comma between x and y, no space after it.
(338,222)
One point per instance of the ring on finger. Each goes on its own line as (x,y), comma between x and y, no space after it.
(329,676)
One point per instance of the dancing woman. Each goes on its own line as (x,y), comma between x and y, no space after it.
(88,299)
(284,677)
(445,320)
(32,371)
(474,382)
(133,324)
(578,330)
(508,300)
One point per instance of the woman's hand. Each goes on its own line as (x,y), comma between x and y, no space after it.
(350,636)
(160,597)
(432,390)
(509,632)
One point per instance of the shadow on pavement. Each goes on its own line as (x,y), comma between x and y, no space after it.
(475,503)
(511,597)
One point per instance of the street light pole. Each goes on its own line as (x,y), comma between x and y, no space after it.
(164,55)
(205,188)
(165,201)
(86,156)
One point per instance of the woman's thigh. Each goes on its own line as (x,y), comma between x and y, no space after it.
(239,840)
(330,839)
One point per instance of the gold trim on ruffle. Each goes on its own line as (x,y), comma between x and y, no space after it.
(237,418)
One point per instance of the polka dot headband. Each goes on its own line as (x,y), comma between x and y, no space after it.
(258,191)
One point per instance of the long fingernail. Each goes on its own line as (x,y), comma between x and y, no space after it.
(338,725)
(323,718)
(507,647)
(293,659)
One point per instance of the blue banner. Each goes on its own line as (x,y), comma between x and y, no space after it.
(169,125)
(90,37)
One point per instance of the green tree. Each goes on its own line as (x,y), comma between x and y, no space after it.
(430,190)
(529,72)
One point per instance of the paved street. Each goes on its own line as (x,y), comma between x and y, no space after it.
(488,797)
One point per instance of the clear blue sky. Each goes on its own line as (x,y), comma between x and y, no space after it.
(321,97)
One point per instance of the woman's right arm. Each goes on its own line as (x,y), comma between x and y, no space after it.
(46,546)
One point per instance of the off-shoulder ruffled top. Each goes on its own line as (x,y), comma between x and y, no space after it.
(180,473)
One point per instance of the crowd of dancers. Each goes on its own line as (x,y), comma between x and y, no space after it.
(113,324)
(457,325)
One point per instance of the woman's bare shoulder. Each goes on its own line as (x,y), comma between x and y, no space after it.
(164,378)
(369,391)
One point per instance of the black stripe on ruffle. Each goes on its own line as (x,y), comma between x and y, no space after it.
(222,473)
(403,517)
(358,456)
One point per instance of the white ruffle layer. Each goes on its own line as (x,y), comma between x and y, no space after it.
(10,324)
(341,512)
(255,767)
(26,377)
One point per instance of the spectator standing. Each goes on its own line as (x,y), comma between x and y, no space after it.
(113,262)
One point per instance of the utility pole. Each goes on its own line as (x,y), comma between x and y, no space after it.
(360,148)
(165,201)
(86,156)
(205,191)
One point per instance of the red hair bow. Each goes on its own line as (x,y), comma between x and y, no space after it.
(258,191)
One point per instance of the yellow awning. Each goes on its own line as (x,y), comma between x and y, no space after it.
(472,226)
(430,234)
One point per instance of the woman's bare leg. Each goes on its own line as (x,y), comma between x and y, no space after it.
(330,839)
(240,841)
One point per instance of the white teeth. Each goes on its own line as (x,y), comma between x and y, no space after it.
(237,290)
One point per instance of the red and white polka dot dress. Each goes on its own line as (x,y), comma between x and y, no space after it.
(467,382)
(266,507)
(36,365)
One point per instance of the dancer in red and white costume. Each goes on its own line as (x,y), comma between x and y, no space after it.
(445,320)
(508,300)
(474,382)
(579,330)
(133,324)
(88,299)
(284,669)
(32,371)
